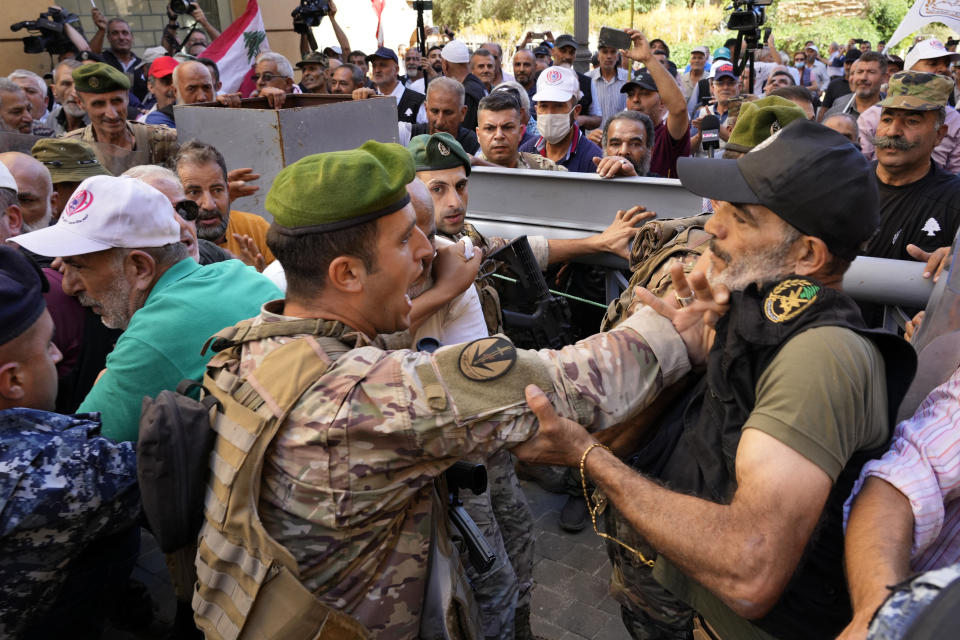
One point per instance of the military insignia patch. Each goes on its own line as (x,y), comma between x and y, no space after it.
(789,299)
(443,149)
(487,359)
(94,82)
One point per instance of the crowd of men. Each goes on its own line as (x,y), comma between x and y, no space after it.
(732,428)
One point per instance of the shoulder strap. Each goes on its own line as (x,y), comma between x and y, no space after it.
(246,331)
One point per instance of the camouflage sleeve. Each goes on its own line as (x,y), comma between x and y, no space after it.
(539,245)
(470,398)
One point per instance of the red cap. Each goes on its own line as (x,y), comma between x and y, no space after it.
(162,67)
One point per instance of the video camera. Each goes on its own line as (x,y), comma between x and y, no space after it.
(308,14)
(50,24)
(183,7)
(748,15)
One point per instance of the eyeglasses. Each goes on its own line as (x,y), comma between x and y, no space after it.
(188,210)
(266,75)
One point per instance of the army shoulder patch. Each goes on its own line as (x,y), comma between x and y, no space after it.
(487,358)
(789,299)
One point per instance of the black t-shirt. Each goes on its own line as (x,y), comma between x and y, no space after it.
(925,213)
(466,138)
(839,86)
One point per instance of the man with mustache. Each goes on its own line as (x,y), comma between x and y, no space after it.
(67,115)
(919,200)
(928,56)
(103,92)
(203,172)
(119,241)
(866,76)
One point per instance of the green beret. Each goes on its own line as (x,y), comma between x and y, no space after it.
(68,159)
(432,152)
(760,119)
(340,189)
(99,77)
(918,91)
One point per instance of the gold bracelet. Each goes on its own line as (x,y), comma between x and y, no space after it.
(594,509)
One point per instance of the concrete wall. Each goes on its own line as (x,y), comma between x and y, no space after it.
(146,18)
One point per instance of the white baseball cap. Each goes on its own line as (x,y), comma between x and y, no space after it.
(456,52)
(6,178)
(925,50)
(814,47)
(557,84)
(106,212)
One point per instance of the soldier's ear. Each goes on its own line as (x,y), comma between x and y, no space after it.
(12,388)
(346,274)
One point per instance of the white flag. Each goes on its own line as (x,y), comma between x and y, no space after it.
(922,13)
(237,48)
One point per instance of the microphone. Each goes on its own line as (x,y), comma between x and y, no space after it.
(703,92)
(710,134)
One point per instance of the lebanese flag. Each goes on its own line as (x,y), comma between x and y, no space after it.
(378,9)
(237,48)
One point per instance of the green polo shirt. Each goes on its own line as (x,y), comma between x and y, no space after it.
(162,344)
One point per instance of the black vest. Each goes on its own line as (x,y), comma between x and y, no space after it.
(409,105)
(815,603)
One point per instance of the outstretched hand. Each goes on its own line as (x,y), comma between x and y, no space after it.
(694,311)
(616,238)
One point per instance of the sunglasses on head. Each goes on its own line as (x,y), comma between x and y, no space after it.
(188,210)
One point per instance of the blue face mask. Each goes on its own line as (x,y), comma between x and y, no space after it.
(800,65)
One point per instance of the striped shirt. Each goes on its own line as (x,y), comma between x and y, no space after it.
(923,463)
(607,96)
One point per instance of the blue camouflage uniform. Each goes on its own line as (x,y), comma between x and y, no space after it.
(62,486)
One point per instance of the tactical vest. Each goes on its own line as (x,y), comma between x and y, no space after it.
(248,584)
(815,603)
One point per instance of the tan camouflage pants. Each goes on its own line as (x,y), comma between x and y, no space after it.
(504,517)
(649,611)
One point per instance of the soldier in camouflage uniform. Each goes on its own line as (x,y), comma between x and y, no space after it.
(103,92)
(347,482)
(445,168)
(63,488)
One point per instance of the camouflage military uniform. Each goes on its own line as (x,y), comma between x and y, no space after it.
(649,610)
(61,487)
(153,144)
(346,482)
(534,161)
(908,601)
(537,161)
(486,288)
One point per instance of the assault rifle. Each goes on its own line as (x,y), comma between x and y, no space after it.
(472,476)
(533,317)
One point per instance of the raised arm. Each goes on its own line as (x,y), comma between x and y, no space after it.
(678,121)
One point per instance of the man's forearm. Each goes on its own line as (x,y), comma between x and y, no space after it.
(96,42)
(660,515)
(878,542)
(588,121)
(678,121)
(341,38)
(564,250)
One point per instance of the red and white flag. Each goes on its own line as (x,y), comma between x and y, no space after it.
(378,9)
(237,48)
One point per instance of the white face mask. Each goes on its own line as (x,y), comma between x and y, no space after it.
(554,127)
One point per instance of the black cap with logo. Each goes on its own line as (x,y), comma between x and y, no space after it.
(810,176)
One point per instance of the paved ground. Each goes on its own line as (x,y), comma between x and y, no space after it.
(570,600)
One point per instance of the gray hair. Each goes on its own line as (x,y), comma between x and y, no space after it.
(357,73)
(636,116)
(149,172)
(31,76)
(852,120)
(70,63)
(449,85)
(7,198)
(9,86)
(521,92)
(284,67)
